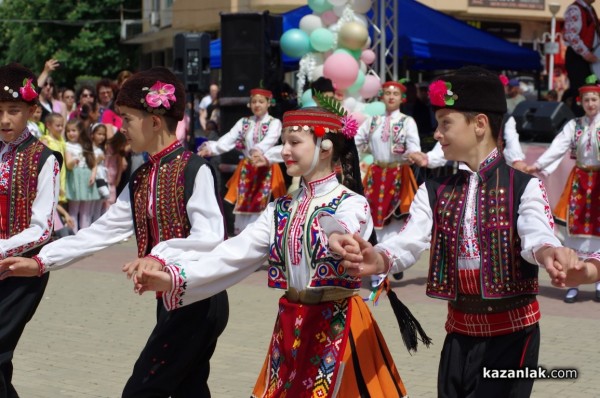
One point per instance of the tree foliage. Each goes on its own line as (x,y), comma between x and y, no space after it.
(84,35)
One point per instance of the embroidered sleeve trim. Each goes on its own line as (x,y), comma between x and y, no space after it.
(173,299)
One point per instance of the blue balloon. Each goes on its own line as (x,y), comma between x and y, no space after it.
(307,100)
(376,108)
(295,43)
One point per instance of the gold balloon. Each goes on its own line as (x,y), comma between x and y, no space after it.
(353,36)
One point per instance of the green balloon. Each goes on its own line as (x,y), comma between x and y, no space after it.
(355,87)
(376,108)
(354,53)
(321,39)
(307,100)
(320,6)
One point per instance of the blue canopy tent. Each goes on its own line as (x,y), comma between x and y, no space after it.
(429,39)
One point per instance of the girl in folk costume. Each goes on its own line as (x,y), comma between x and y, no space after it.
(251,188)
(390,185)
(29,187)
(292,234)
(578,207)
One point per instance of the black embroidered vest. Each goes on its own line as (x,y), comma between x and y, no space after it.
(174,187)
(504,273)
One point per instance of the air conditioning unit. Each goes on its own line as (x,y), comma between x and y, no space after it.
(154,18)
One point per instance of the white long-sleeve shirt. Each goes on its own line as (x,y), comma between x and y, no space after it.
(249,135)
(379,142)
(588,145)
(207,229)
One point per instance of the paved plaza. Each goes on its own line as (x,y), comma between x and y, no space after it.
(90,328)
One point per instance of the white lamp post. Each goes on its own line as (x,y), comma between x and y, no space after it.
(551,48)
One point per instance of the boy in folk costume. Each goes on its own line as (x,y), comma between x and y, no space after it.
(251,188)
(292,234)
(489,229)
(579,206)
(29,188)
(171,204)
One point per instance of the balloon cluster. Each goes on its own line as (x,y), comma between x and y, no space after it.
(334,42)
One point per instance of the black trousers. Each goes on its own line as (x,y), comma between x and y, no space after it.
(175,361)
(19,298)
(464,358)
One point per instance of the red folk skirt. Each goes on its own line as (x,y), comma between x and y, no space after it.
(578,206)
(252,188)
(332,349)
(388,189)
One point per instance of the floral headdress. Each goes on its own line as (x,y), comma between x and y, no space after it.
(441,94)
(159,97)
(26,91)
(349,124)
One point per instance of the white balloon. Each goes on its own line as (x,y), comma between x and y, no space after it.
(363,67)
(336,3)
(316,73)
(310,22)
(361,6)
(339,10)
(349,103)
(361,19)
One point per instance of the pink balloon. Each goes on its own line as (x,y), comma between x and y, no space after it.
(359,117)
(370,87)
(368,57)
(329,18)
(342,69)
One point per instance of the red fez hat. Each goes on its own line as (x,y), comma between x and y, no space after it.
(312,117)
(591,85)
(398,85)
(261,91)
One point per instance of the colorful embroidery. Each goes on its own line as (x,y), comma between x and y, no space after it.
(170,216)
(317,332)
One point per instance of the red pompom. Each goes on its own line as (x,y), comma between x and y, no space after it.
(319,131)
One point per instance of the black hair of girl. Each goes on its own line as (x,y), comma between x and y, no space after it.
(345,151)
(117,144)
(86,144)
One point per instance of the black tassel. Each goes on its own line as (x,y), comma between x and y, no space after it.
(409,326)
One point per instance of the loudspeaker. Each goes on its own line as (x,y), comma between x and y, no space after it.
(250,53)
(191,60)
(541,121)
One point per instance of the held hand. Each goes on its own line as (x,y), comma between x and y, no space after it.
(371,264)
(92,181)
(531,169)
(418,158)
(18,266)
(520,165)
(346,246)
(259,160)
(137,266)
(157,281)
(557,260)
(204,152)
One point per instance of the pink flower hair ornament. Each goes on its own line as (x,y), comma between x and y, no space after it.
(159,95)
(504,80)
(349,126)
(441,95)
(28,92)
